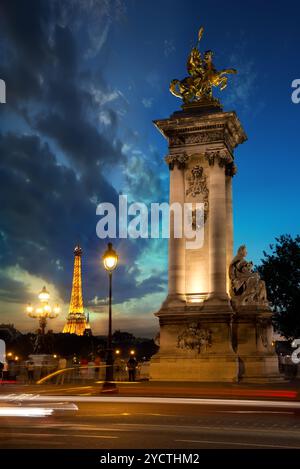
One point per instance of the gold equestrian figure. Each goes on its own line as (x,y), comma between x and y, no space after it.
(202,77)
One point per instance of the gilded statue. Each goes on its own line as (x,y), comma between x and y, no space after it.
(203,76)
(246,287)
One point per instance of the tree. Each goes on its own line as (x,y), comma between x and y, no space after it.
(120,337)
(281,272)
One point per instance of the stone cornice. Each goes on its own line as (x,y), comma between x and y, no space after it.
(185,131)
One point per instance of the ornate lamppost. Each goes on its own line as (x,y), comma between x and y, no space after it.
(110,260)
(43,311)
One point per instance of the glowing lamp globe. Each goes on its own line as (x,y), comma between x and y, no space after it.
(110,258)
(44,295)
(47,308)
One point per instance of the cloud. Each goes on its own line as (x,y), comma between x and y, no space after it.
(144,176)
(135,315)
(169,47)
(147,102)
(129,315)
(46,214)
(59,154)
(12,290)
(242,86)
(100,16)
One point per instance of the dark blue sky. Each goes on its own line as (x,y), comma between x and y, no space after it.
(84,81)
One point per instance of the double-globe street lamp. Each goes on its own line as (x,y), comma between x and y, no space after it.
(110,261)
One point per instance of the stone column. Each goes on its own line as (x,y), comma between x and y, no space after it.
(176,284)
(230,171)
(217,228)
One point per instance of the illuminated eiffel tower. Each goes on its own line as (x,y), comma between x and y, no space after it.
(76,320)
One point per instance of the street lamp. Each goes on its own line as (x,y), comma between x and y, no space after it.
(44,311)
(44,295)
(110,260)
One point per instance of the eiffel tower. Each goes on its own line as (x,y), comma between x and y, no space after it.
(76,320)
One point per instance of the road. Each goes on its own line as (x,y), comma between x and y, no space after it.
(167,425)
(149,415)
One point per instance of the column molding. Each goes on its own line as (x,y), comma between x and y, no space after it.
(176,257)
(218,159)
(178,160)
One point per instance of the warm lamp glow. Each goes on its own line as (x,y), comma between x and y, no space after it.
(132,352)
(110,263)
(44,295)
(117,352)
(196,298)
(47,308)
(110,258)
(44,311)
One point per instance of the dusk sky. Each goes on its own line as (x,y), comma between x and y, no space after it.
(85,79)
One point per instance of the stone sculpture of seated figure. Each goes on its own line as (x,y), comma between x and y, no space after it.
(246,286)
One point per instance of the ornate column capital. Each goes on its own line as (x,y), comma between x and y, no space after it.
(223,157)
(178,159)
(230,169)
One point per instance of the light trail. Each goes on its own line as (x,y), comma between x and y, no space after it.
(65,370)
(235,443)
(154,400)
(25,412)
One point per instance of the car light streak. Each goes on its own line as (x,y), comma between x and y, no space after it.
(157,400)
(25,411)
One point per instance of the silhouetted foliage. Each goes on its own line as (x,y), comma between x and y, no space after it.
(84,346)
(281,272)
(119,337)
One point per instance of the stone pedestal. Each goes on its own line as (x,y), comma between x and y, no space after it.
(201,337)
(194,346)
(252,339)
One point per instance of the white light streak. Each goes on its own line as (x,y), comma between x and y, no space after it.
(25,412)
